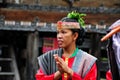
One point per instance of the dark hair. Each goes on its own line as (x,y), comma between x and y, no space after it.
(81,31)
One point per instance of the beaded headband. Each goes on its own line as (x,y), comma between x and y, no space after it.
(67,25)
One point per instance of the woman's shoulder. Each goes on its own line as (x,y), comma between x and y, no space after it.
(51,52)
(87,55)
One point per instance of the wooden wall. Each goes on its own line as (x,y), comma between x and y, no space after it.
(52,16)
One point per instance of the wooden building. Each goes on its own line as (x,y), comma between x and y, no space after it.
(24,25)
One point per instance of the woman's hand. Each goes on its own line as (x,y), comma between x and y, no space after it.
(57,75)
(62,66)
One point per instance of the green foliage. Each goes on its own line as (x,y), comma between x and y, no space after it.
(78,16)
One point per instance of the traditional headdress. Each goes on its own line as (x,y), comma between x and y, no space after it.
(72,25)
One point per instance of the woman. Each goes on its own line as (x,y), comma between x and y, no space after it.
(68,62)
(113,49)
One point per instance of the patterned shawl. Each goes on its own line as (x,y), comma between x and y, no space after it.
(81,65)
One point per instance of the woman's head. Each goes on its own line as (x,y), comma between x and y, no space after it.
(72,32)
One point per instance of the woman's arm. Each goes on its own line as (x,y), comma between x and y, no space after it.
(41,76)
(92,74)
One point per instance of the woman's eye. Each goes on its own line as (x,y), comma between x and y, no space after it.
(63,32)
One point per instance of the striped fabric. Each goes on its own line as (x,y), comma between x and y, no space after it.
(83,63)
(47,62)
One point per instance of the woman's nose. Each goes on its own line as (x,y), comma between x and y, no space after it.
(59,35)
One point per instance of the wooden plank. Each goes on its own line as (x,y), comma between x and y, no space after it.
(5,59)
(7,73)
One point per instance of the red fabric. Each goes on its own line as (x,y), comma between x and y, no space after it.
(91,75)
(108,75)
(41,76)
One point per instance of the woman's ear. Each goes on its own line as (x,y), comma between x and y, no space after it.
(75,36)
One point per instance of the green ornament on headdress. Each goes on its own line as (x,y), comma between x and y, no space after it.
(78,16)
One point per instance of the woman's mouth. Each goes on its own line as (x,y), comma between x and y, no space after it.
(60,42)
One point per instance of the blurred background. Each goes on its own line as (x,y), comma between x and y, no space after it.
(28,29)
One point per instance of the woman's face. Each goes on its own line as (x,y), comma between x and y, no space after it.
(65,38)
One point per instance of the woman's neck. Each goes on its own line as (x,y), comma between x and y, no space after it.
(67,52)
